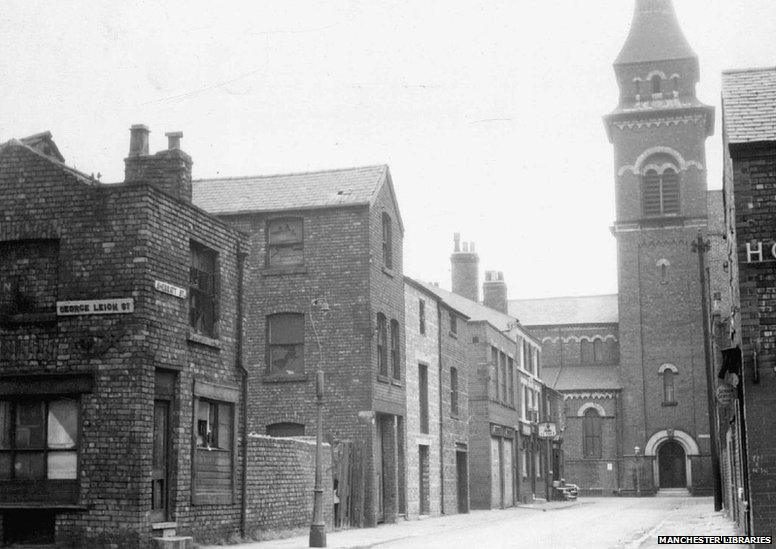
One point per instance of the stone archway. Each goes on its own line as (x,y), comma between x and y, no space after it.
(685,442)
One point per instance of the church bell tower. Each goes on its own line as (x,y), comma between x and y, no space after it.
(658,131)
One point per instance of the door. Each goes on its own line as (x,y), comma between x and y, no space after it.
(424,478)
(556,464)
(462,481)
(160,462)
(495,473)
(379,466)
(672,465)
(508,467)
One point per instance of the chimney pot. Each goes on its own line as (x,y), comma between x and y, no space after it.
(174,140)
(471,247)
(500,275)
(465,246)
(138,140)
(457,242)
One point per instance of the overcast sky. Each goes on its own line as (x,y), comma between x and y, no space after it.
(488,113)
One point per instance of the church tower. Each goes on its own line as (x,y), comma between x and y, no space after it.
(658,131)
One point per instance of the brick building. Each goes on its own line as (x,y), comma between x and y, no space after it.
(324,290)
(745,378)
(634,375)
(437,404)
(121,386)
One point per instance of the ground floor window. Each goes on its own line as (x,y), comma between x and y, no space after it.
(28,527)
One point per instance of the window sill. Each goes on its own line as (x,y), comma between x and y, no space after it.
(397,382)
(288,270)
(673,403)
(455,417)
(383,379)
(284,378)
(200,339)
(389,272)
(454,335)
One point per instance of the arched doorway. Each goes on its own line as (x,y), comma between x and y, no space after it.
(671,465)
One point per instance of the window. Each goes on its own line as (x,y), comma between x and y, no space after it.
(636,87)
(494,374)
(503,378)
(202,290)
(660,193)
(285,337)
(524,461)
(675,82)
(214,424)
(382,341)
(422,316)
(285,429)
(591,433)
(423,396)
(39,439)
(511,373)
(656,82)
(28,276)
(537,464)
(585,354)
(285,242)
(387,242)
(668,387)
(395,356)
(598,350)
(454,391)
(524,405)
(453,323)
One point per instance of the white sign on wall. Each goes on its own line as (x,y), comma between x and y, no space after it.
(547,430)
(95,307)
(167,288)
(756,254)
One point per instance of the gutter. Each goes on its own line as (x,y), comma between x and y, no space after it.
(441,436)
(241,255)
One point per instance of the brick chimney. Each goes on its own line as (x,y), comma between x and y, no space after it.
(494,291)
(465,269)
(169,170)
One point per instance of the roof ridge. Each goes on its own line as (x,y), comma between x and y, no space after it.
(749,69)
(288,174)
(79,174)
(564,297)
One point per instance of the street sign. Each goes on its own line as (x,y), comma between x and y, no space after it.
(725,394)
(547,430)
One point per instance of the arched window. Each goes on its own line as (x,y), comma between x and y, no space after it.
(395,345)
(656,82)
(675,83)
(585,352)
(637,87)
(591,434)
(668,386)
(660,192)
(598,350)
(382,348)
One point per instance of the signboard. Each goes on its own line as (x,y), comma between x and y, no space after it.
(725,394)
(756,254)
(167,288)
(546,430)
(525,429)
(95,307)
(501,431)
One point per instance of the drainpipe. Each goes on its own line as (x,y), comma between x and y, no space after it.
(241,367)
(441,437)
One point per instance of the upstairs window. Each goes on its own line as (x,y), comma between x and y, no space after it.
(28,276)
(669,396)
(503,378)
(585,352)
(656,83)
(660,193)
(511,384)
(454,391)
(395,346)
(494,374)
(453,323)
(591,433)
(382,342)
(423,396)
(387,242)
(202,290)
(285,242)
(598,350)
(285,336)
(422,316)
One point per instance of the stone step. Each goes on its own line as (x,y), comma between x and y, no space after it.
(174,542)
(164,529)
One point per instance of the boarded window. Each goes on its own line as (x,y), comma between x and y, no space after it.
(285,334)
(382,345)
(28,276)
(454,391)
(387,241)
(202,290)
(285,242)
(591,433)
(214,466)
(395,347)
(660,193)
(423,397)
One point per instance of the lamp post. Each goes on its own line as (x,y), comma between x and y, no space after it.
(318,525)
(636,450)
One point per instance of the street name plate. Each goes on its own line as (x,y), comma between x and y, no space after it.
(95,307)
(167,288)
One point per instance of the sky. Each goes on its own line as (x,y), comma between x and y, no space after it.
(488,113)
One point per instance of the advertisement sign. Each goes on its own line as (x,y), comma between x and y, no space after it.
(547,430)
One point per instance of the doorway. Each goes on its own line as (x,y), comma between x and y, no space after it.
(462,481)
(672,465)
(159,469)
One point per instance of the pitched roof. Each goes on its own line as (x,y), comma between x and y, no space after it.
(293,191)
(655,35)
(475,311)
(42,145)
(426,289)
(749,105)
(588,309)
(571,378)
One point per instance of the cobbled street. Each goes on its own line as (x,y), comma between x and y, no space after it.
(615,523)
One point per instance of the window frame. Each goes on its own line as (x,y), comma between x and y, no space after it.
(382,345)
(592,431)
(669,386)
(395,350)
(422,316)
(423,399)
(453,323)
(663,183)
(270,345)
(210,299)
(387,234)
(454,392)
(280,245)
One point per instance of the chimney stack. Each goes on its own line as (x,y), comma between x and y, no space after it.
(465,269)
(169,170)
(494,291)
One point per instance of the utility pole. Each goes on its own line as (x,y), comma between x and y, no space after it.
(318,525)
(701,246)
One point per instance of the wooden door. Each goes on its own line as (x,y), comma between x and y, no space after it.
(462,474)
(671,461)
(378,460)
(160,462)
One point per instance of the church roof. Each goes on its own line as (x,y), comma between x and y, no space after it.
(655,35)
(571,378)
(587,309)
(749,105)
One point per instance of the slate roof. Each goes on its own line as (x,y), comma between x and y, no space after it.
(749,105)
(571,378)
(587,309)
(475,311)
(655,35)
(293,191)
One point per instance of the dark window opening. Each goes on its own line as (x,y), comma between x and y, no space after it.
(591,430)
(668,386)
(387,241)
(31,527)
(285,429)
(511,373)
(285,242)
(656,83)
(503,377)
(285,335)
(382,348)
(395,350)
(202,290)
(598,351)
(454,391)
(423,396)
(422,316)
(494,374)
(453,323)
(585,353)
(214,424)
(660,193)
(675,82)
